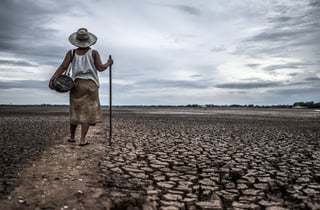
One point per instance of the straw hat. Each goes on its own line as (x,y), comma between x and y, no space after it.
(82,38)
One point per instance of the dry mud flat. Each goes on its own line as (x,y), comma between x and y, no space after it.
(25,133)
(181,160)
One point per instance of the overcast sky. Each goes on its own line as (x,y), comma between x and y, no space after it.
(168,52)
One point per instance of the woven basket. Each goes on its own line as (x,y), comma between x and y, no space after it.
(63,83)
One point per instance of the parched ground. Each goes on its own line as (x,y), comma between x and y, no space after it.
(162,159)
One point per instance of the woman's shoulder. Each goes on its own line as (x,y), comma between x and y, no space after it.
(94,52)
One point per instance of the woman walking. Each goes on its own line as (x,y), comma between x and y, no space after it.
(84,96)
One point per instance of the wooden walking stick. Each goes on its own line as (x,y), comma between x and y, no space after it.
(110,104)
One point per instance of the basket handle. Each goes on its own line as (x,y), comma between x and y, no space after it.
(67,72)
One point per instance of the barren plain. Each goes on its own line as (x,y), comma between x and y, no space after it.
(161,158)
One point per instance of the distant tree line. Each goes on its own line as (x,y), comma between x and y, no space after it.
(240,106)
(309,104)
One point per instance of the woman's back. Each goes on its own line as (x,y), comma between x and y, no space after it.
(83,66)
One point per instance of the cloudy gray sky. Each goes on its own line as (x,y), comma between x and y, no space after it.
(167,52)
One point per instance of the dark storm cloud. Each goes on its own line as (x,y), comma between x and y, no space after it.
(253,65)
(19,22)
(280,35)
(293,74)
(283,66)
(248,85)
(296,91)
(16,63)
(24,29)
(313,79)
(24,84)
(307,83)
(238,92)
(296,27)
(193,84)
(188,9)
(154,83)
(280,19)
(146,85)
(217,49)
(185,8)
(285,31)
(195,75)
(314,82)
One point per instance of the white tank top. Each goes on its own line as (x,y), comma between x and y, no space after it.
(83,67)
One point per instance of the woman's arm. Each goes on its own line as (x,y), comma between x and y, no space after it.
(97,61)
(64,66)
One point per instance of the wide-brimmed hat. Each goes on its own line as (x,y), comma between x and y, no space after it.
(82,38)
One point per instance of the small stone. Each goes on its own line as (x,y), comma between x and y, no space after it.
(268,203)
(169,208)
(21,200)
(303,180)
(251,192)
(249,199)
(79,193)
(265,179)
(242,186)
(139,175)
(172,204)
(230,185)
(250,179)
(166,185)
(314,186)
(261,186)
(209,205)
(230,196)
(159,178)
(183,188)
(189,201)
(176,192)
(310,191)
(251,206)
(148,206)
(153,192)
(208,182)
(172,197)
(276,208)
(313,205)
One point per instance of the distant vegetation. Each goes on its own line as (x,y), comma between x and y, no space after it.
(308,104)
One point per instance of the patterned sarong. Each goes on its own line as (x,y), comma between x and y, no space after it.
(84,103)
